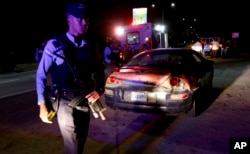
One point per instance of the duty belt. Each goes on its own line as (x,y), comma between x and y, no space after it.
(70,94)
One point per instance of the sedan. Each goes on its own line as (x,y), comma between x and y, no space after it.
(168,80)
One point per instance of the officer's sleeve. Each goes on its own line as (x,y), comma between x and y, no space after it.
(107,52)
(42,71)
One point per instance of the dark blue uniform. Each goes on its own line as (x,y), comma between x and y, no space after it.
(75,70)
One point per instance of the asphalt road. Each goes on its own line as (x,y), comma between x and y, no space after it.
(16,83)
(224,116)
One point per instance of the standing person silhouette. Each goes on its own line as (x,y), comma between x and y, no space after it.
(111,57)
(75,71)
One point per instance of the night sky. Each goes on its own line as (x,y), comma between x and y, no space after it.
(31,22)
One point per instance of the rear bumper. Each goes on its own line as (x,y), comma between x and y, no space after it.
(168,108)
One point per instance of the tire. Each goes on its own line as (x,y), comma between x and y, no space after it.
(210,85)
(194,109)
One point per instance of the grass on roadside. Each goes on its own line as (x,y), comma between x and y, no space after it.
(25,67)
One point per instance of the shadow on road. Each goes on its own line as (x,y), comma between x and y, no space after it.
(208,98)
(224,76)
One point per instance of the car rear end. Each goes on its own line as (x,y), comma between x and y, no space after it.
(133,90)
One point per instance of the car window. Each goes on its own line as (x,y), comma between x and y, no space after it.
(175,58)
(156,59)
(141,60)
(160,58)
(166,58)
(133,38)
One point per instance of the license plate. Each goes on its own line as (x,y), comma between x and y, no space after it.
(139,96)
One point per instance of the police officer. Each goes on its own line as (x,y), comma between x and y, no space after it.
(75,71)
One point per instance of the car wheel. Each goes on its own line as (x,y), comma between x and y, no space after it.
(210,84)
(194,109)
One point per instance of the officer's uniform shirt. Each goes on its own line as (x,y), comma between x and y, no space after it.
(46,63)
(107,52)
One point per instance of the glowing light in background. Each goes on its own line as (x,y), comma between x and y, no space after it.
(119,31)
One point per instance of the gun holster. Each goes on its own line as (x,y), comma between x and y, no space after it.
(54,97)
(52,101)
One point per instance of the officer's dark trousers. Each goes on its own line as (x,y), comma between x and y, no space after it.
(74,125)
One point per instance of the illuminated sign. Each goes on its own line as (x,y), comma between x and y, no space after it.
(139,16)
(235,35)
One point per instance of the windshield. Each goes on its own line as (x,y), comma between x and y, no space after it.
(156,59)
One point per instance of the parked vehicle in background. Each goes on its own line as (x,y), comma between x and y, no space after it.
(207,47)
(211,46)
(140,37)
(164,80)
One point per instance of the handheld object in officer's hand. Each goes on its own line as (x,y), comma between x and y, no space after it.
(82,108)
(97,109)
(51,115)
(76,101)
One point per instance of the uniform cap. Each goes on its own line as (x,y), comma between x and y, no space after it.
(77,10)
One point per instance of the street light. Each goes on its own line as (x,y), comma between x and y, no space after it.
(172,5)
(161,30)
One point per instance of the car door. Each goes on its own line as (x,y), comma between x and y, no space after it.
(204,70)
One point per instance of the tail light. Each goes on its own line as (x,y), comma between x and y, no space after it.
(174,81)
(121,55)
(113,80)
(116,69)
(179,96)
(110,80)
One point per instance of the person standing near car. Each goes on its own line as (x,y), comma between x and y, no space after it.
(215,48)
(39,51)
(111,57)
(75,71)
